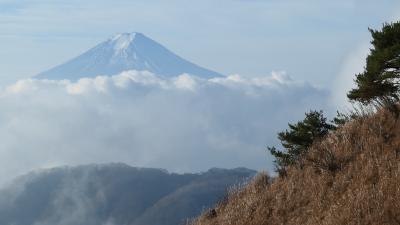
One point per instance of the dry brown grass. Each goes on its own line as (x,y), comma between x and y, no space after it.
(351,177)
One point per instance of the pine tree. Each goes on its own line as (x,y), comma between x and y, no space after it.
(379,82)
(299,138)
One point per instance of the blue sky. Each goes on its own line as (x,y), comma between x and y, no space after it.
(310,40)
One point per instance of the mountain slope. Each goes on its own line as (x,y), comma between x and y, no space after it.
(110,194)
(364,188)
(127,51)
(184,202)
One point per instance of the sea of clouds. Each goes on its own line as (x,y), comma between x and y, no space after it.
(183,124)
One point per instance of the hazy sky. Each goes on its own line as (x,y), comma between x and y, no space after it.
(182,123)
(308,39)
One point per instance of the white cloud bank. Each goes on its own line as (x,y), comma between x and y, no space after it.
(182,124)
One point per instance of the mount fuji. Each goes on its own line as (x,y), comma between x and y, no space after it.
(126,51)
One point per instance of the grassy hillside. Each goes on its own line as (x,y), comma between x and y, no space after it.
(350,177)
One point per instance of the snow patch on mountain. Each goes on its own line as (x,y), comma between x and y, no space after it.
(122,42)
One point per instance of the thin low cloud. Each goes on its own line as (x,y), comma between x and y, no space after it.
(182,124)
(353,64)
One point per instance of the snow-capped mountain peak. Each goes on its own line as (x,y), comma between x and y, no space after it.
(123,41)
(126,51)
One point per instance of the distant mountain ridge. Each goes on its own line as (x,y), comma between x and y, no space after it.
(113,194)
(126,51)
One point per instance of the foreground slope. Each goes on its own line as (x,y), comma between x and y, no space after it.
(112,194)
(350,177)
(127,51)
